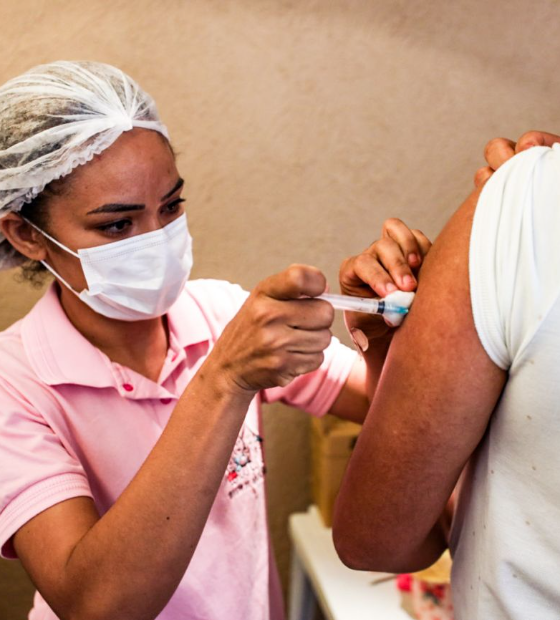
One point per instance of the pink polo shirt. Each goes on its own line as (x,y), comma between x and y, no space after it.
(73,423)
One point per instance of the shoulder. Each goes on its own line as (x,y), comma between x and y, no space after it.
(216,295)
(22,393)
(211,291)
(523,191)
(217,300)
(13,359)
(514,252)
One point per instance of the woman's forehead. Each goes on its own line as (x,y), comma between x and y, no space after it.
(139,166)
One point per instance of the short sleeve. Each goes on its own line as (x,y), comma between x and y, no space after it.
(36,471)
(316,391)
(514,253)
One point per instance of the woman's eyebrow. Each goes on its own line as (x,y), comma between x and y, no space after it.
(115,207)
(176,187)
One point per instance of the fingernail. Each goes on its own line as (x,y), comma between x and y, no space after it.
(408,281)
(413,258)
(390,288)
(359,339)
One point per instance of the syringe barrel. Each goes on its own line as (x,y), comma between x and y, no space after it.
(354,304)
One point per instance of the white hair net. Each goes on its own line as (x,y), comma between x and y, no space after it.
(56,117)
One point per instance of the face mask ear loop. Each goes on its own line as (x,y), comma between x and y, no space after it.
(45,264)
(50,238)
(58,277)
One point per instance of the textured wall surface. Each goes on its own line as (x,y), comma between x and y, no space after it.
(302,124)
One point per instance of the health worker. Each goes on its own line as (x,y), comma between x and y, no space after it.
(131,465)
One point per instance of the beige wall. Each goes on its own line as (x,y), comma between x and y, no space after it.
(302,124)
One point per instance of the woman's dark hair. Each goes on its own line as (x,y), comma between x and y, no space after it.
(37,212)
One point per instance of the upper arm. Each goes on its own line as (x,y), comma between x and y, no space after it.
(484,290)
(45,543)
(45,497)
(431,408)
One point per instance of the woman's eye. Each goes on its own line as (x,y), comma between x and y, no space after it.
(116,228)
(173,207)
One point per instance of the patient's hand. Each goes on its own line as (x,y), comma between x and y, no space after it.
(389,264)
(499,150)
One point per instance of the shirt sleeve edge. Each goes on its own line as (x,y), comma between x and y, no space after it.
(486,327)
(36,499)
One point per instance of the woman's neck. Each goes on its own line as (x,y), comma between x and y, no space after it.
(139,345)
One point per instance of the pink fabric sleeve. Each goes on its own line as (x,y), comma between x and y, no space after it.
(36,471)
(316,391)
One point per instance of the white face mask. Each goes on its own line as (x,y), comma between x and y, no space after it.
(136,278)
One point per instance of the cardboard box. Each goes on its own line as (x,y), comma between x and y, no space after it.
(332,442)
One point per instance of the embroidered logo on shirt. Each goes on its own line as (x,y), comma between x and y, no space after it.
(246,468)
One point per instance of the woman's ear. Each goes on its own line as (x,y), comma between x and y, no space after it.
(24,238)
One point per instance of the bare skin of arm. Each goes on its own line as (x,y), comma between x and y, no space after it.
(362,271)
(430,411)
(128,563)
(390,263)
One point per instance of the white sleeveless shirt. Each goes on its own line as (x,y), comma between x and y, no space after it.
(506,533)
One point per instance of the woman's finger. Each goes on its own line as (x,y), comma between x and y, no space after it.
(363,276)
(306,314)
(303,363)
(400,233)
(385,266)
(423,241)
(498,151)
(309,342)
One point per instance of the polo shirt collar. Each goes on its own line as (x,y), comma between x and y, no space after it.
(59,354)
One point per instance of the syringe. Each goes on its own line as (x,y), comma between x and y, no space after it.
(362,304)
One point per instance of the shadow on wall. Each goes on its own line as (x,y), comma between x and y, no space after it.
(16,591)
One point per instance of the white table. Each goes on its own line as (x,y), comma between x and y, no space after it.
(319,577)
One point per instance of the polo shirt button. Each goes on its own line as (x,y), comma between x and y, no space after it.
(128,387)
(165,401)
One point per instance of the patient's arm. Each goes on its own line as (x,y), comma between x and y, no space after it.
(432,406)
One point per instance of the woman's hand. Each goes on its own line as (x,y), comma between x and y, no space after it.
(278,334)
(389,264)
(499,150)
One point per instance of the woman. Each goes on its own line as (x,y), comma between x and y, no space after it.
(127,392)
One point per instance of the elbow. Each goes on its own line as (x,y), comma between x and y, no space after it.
(359,553)
(380,538)
(376,549)
(363,554)
(349,552)
(357,548)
